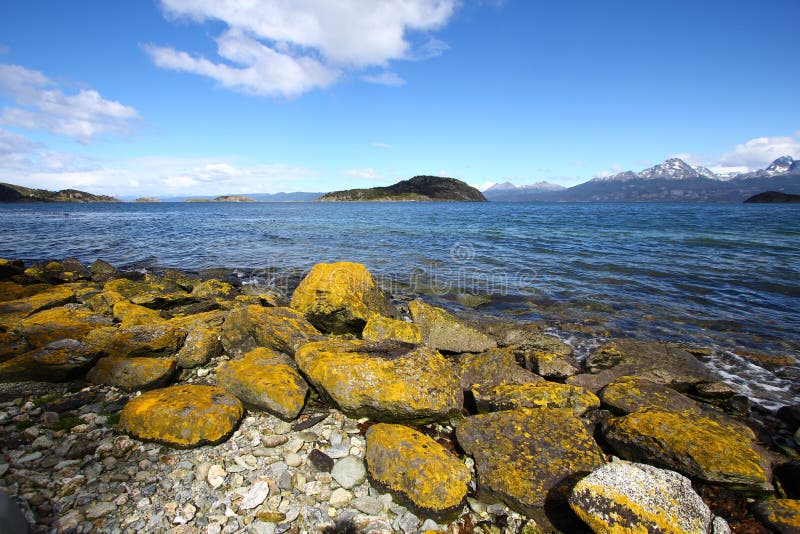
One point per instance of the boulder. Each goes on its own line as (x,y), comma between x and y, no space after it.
(711,450)
(629,394)
(60,323)
(182,416)
(530,459)
(418,471)
(103,302)
(54,272)
(781,515)
(201,345)
(158,340)
(442,331)
(14,291)
(387,381)
(339,298)
(58,361)
(152,293)
(381,328)
(131,374)
(11,344)
(212,289)
(266,295)
(14,311)
(103,271)
(132,314)
(629,497)
(9,268)
(281,329)
(535,395)
(266,380)
(494,367)
(548,356)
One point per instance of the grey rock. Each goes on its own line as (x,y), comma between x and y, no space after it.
(99,509)
(256,495)
(368,505)
(349,472)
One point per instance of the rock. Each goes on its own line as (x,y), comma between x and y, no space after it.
(153,292)
(781,515)
(14,291)
(417,470)
(367,505)
(201,345)
(628,497)
(156,340)
(11,344)
(293,459)
(14,311)
(530,459)
(281,329)
(132,314)
(131,374)
(58,361)
(349,472)
(256,495)
(10,267)
(339,298)
(54,272)
(388,381)
(492,368)
(321,461)
(535,395)
(340,498)
(211,289)
(266,380)
(442,331)
(697,446)
(100,509)
(12,517)
(59,323)
(102,271)
(548,356)
(216,476)
(185,514)
(381,328)
(102,303)
(629,394)
(182,416)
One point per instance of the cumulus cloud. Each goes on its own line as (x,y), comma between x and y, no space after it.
(275,47)
(385,78)
(366,173)
(44,106)
(759,152)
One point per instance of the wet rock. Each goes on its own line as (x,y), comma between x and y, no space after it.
(54,272)
(211,289)
(417,470)
(442,331)
(182,416)
(492,368)
(153,292)
(102,271)
(349,472)
(58,361)
(629,394)
(530,459)
(147,340)
(339,298)
(535,395)
(60,323)
(131,374)
(280,329)
(132,314)
(388,381)
(14,311)
(10,267)
(548,356)
(629,497)
(697,446)
(781,515)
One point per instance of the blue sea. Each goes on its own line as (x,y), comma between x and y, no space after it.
(723,276)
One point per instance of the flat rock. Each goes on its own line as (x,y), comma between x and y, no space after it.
(535,395)
(155,340)
(629,394)
(441,330)
(211,289)
(58,361)
(201,345)
(280,329)
(781,515)
(388,381)
(14,311)
(131,374)
(153,292)
(381,328)
(548,356)
(182,416)
(53,324)
(266,380)
(54,272)
(349,472)
(495,367)
(417,470)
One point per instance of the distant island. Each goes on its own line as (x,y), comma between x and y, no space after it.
(417,189)
(18,193)
(224,198)
(770,197)
(146,199)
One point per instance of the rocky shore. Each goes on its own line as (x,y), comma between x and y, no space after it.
(134,402)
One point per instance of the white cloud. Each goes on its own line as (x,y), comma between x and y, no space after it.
(483,186)
(381,145)
(366,173)
(277,47)
(759,152)
(386,77)
(43,106)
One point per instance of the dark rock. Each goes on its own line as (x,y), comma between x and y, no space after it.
(131,374)
(103,272)
(281,329)
(417,188)
(631,393)
(9,268)
(781,515)
(308,422)
(494,367)
(788,476)
(58,361)
(320,461)
(772,197)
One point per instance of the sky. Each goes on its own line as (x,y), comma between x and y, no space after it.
(211,97)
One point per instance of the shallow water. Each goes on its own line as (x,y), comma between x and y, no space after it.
(720,275)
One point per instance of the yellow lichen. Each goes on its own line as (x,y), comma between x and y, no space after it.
(380,328)
(132,314)
(59,323)
(536,395)
(131,373)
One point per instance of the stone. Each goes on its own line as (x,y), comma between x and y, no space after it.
(216,476)
(54,324)
(530,459)
(256,494)
(102,271)
(381,328)
(14,291)
(548,356)
(535,395)
(339,298)
(14,311)
(349,472)
(156,340)
(131,374)
(182,416)
(491,368)
(266,380)
(280,329)
(417,470)
(185,514)
(781,515)
(293,459)
(321,461)
(12,344)
(368,505)
(211,289)
(440,330)
(99,509)
(388,381)
(10,267)
(102,303)
(340,498)
(628,497)
(201,345)
(54,272)
(132,314)
(58,361)
(718,452)
(152,292)
(629,394)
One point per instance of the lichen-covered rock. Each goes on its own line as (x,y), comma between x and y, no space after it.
(628,497)
(381,328)
(339,298)
(60,323)
(103,271)
(494,367)
(266,380)
(182,416)
(697,446)
(781,515)
(132,314)
(147,340)
(267,296)
(211,289)
(14,291)
(58,361)
(442,331)
(535,395)
(202,343)
(103,302)
(11,344)
(68,270)
(530,458)
(155,293)
(132,374)
(418,471)
(281,329)
(548,356)
(10,267)
(14,311)
(629,394)
(388,381)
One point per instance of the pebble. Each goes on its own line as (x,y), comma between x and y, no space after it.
(340,498)
(368,505)
(320,460)
(349,472)
(216,476)
(98,509)
(274,440)
(293,459)
(185,514)
(256,495)
(3,469)
(294,445)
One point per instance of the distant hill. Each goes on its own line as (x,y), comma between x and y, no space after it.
(233,198)
(146,199)
(18,193)
(507,191)
(300,196)
(418,188)
(770,197)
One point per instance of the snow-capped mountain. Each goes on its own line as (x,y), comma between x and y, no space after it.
(671,169)
(538,186)
(785,165)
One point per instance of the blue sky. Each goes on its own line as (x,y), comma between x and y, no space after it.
(180,97)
